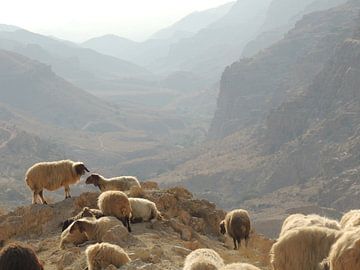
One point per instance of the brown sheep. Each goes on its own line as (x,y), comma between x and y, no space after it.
(237,225)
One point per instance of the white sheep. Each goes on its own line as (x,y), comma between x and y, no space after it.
(121,183)
(302,248)
(144,210)
(203,259)
(345,253)
(300,220)
(94,229)
(350,219)
(52,176)
(100,256)
(237,225)
(116,203)
(239,266)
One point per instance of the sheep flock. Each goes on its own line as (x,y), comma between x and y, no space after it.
(305,242)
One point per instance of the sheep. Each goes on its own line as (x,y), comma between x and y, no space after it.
(237,225)
(86,212)
(302,248)
(100,256)
(116,203)
(345,253)
(239,266)
(350,219)
(144,210)
(121,183)
(74,238)
(94,229)
(52,176)
(300,220)
(203,259)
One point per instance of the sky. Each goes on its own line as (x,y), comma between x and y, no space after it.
(79,20)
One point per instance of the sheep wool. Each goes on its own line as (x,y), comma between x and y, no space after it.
(350,219)
(299,220)
(86,212)
(100,256)
(237,225)
(302,248)
(94,229)
(121,183)
(116,203)
(239,266)
(345,253)
(52,176)
(144,209)
(203,259)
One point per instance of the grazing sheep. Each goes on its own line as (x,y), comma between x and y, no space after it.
(116,203)
(300,220)
(350,219)
(239,266)
(345,253)
(100,256)
(237,225)
(121,183)
(144,210)
(86,212)
(74,238)
(203,259)
(302,248)
(52,176)
(94,229)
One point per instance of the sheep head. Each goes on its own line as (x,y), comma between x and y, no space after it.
(93,179)
(222,227)
(80,168)
(78,226)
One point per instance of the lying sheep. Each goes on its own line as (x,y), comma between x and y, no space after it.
(74,238)
(237,225)
(300,220)
(121,183)
(143,210)
(100,256)
(116,203)
(86,212)
(345,253)
(239,266)
(302,248)
(203,259)
(52,176)
(350,219)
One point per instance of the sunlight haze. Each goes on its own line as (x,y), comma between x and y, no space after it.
(86,19)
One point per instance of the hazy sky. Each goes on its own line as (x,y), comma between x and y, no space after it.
(79,20)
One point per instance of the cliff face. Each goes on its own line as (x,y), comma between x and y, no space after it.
(252,87)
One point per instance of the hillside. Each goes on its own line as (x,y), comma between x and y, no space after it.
(189,224)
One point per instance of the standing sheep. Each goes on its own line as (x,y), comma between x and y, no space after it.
(144,210)
(239,266)
(52,176)
(299,220)
(203,259)
(237,225)
(116,203)
(345,253)
(350,219)
(100,256)
(302,248)
(94,229)
(121,183)
(86,212)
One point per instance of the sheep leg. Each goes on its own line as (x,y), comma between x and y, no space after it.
(34,201)
(42,197)
(67,192)
(235,247)
(128,223)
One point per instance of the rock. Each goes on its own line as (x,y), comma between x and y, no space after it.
(117,235)
(150,185)
(185,231)
(180,250)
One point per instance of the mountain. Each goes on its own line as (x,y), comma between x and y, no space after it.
(281,17)
(193,22)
